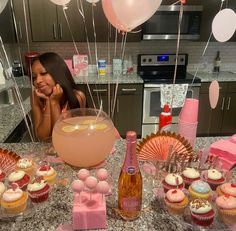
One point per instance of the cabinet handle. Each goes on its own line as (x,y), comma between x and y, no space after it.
(60,29)
(20,30)
(223,104)
(54,31)
(229,102)
(128,89)
(99,90)
(117,106)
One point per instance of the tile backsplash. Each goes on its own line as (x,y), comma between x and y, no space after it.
(194,49)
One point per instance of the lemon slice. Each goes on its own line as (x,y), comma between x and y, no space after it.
(89,121)
(69,128)
(100,126)
(72,128)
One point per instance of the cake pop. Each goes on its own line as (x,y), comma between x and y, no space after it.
(77,186)
(83,174)
(103,188)
(102,174)
(91,183)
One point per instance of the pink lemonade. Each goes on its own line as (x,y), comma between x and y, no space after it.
(82,141)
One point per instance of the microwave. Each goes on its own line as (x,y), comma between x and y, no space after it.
(163,24)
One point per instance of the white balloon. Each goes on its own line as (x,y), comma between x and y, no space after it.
(224,25)
(92,1)
(60,2)
(3,4)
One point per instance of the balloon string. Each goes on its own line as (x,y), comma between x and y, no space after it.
(124,38)
(88,44)
(21,62)
(18,95)
(96,51)
(176,3)
(108,61)
(204,50)
(71,33)
(81,11)
(135,32)
(115,44)
(26,26)
(177,53)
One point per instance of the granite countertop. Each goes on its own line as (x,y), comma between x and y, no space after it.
(58,209)
(95,79)
(223,76)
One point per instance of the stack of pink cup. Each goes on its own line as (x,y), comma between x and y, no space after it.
(188,120)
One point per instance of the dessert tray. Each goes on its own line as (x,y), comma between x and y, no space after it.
(185,219)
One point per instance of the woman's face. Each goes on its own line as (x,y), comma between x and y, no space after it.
(42,80)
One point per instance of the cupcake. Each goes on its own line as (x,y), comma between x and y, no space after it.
(48,173)
(226,206)
(172,181)
(214,178)
(201,212)
(2,175)
(176,201)
(189,175)
(199,189)
(20,178)
(14,201)
(228,189)
(38,190)
(25,165)
(2,188)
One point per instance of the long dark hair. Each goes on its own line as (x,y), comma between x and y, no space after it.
(59,71)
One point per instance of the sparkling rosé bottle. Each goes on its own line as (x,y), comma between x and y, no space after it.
(130,182)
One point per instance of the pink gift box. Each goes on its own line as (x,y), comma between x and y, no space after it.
(226,151)
(80,64)
(89,214)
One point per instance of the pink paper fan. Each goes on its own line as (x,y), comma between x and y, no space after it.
(8,160)
(157,146)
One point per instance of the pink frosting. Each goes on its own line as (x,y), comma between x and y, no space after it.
(226,202)
(175,195)
(228,189)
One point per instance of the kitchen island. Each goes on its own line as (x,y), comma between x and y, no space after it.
(58,209)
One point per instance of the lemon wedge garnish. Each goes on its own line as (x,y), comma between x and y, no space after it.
(69,128)
(89,121)
(100,126)
(72,128)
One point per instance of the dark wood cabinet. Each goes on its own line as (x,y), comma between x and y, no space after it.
(7,31)
(128,114)
(222,119)
(48,22)
(128,109)
(20,20)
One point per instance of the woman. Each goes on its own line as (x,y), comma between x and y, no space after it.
(54,92)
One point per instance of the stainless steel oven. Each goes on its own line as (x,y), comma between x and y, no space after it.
(152,107)
(157,69)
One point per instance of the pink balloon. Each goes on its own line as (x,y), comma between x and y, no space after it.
(102,174)
(214,90)
(83,174)
(103,187)
(132,13)
(111,15)
(91,182)
(77,186)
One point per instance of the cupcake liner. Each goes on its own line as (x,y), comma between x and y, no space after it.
(176,208)
(20,205)
(202,220)
(195,195)
(226,217)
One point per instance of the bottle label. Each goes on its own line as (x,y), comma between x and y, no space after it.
(131,204)
(217,63)
(131,170)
